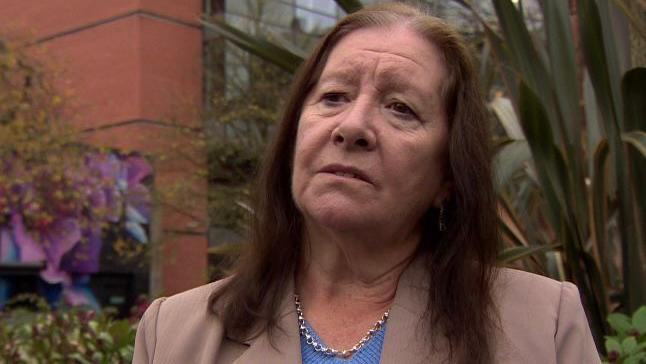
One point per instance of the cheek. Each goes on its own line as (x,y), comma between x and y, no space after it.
(419,166)
(302,150)
(297,163)
(304,156)
(311,138)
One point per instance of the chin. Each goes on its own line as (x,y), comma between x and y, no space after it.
(340,218)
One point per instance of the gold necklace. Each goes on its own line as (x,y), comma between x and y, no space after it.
(310,340)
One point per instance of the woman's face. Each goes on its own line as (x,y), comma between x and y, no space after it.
(371,146)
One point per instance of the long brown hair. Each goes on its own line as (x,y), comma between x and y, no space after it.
(460,260)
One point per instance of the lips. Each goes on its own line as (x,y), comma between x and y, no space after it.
(346,171)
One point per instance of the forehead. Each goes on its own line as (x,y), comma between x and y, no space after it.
(394,53)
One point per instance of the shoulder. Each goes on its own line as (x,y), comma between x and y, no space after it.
(186,307)
(516,291)
(177,326)
(524,285)
(525,299)
(198,296)
(541,315)
(520,294)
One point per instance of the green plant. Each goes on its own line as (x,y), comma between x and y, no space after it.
(578,128)
(63,336)
(628,345)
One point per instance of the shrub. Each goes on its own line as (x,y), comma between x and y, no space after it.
(628,346)
(32,332)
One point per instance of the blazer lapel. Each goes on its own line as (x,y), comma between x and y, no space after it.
(407,333)
(286,346)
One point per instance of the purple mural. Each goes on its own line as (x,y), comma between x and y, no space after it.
(60,220)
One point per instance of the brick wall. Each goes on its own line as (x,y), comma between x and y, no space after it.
(131,68)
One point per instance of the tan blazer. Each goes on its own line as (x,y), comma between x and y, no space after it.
(542,322)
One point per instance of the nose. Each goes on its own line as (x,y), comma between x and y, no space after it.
(355,129)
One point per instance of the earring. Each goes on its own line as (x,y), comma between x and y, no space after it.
(440,219)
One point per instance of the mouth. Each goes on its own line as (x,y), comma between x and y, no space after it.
(346,172)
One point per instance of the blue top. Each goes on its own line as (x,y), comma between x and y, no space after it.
(370,353)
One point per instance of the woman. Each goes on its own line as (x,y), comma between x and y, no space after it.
(374,238)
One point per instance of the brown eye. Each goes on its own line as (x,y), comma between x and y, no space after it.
(402,110)
(334,98)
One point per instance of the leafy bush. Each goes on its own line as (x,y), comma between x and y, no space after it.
(62,336)
(628,346)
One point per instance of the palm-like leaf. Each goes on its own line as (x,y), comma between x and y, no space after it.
(576,193)
(637,139)
(511,255)
(349,6)
(260,47)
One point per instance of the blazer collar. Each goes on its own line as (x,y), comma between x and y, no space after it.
(407,332)
(286,346)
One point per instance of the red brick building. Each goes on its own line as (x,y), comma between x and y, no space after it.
(130,66)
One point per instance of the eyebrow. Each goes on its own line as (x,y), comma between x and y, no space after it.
(346,74)
(391,79)
(388,79)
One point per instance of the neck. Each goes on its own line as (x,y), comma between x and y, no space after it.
(351,267)
(346,281)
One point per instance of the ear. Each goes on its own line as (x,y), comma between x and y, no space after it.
(444,193)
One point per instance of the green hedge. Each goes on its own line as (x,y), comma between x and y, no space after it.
(31,332)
